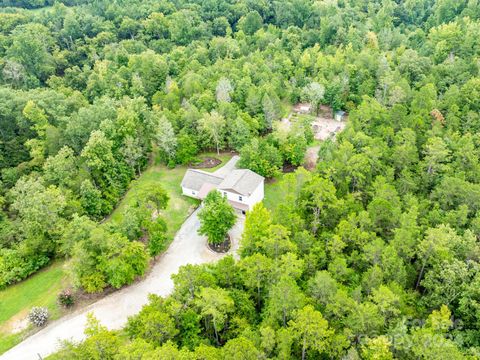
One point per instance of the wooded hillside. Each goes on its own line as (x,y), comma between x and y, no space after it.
(374,255)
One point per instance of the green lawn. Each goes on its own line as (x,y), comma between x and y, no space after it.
(40,289)
(273,193)
(179,206)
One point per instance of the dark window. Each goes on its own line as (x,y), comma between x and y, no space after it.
(240,198)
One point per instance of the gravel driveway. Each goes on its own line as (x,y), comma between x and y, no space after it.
(112,311)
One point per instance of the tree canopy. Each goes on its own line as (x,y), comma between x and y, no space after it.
(374,254)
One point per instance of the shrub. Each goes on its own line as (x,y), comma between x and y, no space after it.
(38,316)
(171,164)
(66,298)
(16,265)
(157,236)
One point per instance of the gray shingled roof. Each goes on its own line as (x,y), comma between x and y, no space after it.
(194,179)
(242,181)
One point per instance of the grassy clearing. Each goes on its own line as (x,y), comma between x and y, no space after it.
(9,341)
(273,193)
(40,289)
(179,206)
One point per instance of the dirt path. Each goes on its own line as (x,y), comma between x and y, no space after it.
(311,157)
(112,311)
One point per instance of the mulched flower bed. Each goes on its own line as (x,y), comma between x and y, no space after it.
(222,247)
(207,163)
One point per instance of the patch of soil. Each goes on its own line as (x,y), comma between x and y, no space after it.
(83,299)
(311,157)
(207,163)
(16,323)
(289,168)
(325,128)
(325,111)
(222,247)
(271,180)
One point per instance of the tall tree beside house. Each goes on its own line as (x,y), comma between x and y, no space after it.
(165,139)
(156,196)
(216,218)
(212,125)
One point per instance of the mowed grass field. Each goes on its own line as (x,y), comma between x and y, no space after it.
(42,288)
(179,206)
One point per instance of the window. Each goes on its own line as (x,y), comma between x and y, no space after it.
(225,193)
(240,198)
(193,192)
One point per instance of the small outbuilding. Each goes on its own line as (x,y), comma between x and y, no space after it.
(340,115)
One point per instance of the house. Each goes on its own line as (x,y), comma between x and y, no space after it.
(243,188)
(340,115)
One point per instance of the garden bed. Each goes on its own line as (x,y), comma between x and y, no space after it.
(207,163)
(221,248)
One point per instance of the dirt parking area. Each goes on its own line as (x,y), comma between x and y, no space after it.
(325,126)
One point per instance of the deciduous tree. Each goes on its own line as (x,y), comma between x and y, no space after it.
(216,217)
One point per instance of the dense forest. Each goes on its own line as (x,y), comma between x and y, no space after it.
(374,255)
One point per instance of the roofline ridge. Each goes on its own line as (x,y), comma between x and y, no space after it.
(245,170)
(205,172)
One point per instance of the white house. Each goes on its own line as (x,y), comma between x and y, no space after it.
(243,188)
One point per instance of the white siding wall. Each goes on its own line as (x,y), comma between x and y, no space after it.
(256,196)
(189,192)
(234,196)
(251,200)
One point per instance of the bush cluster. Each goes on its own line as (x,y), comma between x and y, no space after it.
(38,316)
(66,298)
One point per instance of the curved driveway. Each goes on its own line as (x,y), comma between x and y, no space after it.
(112,311)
